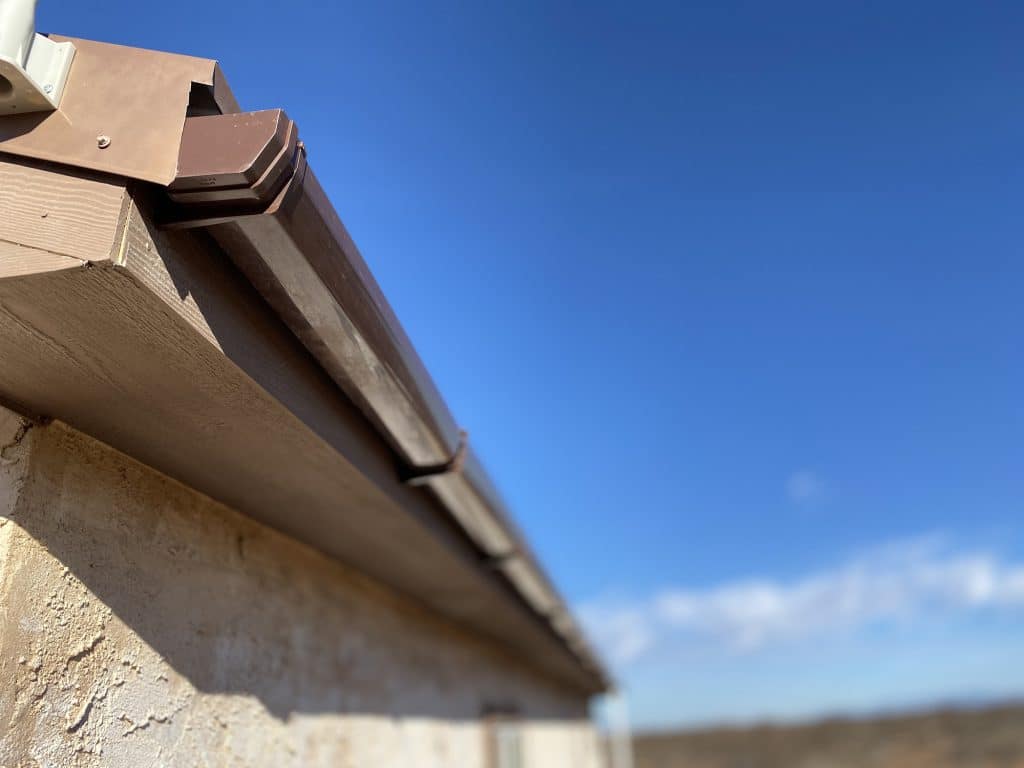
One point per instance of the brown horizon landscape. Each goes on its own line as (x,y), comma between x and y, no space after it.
(990,737)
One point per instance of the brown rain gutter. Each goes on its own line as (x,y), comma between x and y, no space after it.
(244,178)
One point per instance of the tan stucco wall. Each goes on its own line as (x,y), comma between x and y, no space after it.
(142,624)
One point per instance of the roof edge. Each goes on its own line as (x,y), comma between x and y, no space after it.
(314,268)
(294,248)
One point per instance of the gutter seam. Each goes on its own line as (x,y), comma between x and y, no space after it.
(422,475)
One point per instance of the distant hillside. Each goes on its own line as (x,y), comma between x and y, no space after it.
(977,738)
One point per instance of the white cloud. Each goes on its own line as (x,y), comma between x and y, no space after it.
(624,629)
(895,582)
(803,486)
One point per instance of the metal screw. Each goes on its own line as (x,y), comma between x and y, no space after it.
(48,88)
(102,142)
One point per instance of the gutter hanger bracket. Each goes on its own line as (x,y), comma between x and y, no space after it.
(33,68)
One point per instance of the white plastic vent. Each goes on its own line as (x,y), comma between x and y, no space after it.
(33,68)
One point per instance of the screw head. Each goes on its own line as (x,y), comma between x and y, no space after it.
(48,88)
(102,142)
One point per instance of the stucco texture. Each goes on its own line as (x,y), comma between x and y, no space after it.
(142,624)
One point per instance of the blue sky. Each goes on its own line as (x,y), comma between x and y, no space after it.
(728,295)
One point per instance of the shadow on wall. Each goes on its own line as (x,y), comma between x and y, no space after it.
(123,568)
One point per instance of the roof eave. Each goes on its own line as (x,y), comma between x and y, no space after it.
(294,249)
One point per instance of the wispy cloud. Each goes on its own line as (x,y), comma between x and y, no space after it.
(804,486)
(890,583)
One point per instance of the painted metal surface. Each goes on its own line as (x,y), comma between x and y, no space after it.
(302,260)
(122,113)
(235,159)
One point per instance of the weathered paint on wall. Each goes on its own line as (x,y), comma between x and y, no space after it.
(142,624)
